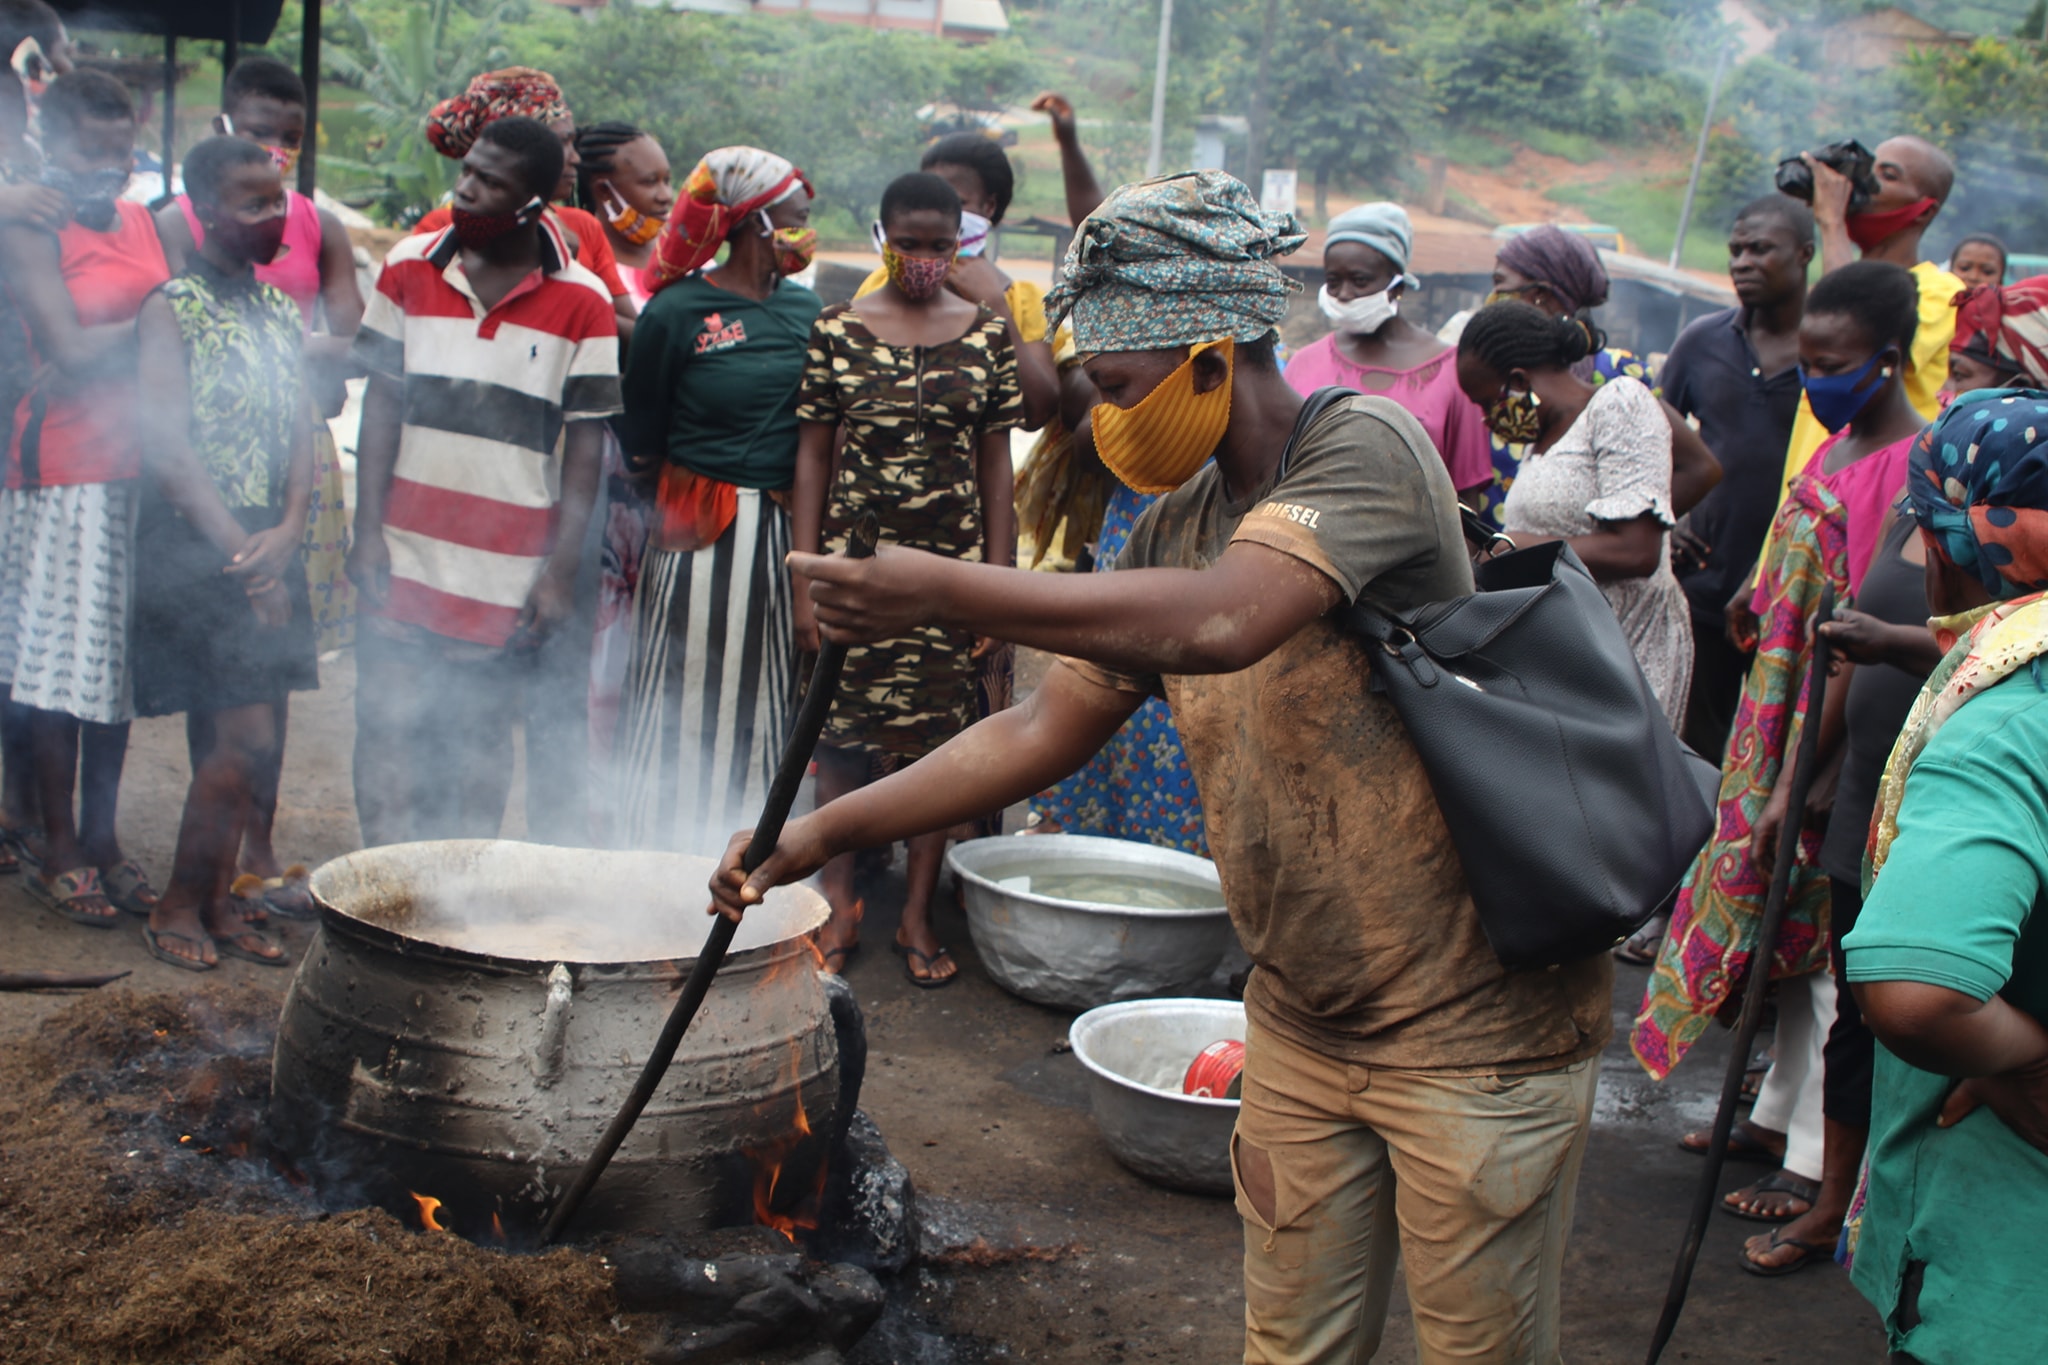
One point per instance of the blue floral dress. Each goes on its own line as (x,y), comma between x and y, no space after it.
(1608,364)
(1138,787)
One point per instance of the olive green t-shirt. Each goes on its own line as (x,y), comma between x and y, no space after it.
(1339,872)
(1949,1247)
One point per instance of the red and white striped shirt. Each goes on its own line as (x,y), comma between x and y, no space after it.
(470,519)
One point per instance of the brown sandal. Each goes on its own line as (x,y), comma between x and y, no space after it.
(127,886)
(76,895)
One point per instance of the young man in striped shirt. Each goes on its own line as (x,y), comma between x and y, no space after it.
(490,350)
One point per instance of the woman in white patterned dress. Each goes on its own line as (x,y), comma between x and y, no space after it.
(1597,474)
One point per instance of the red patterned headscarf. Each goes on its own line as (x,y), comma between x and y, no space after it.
(727,186)
(517,91)
(2009,324)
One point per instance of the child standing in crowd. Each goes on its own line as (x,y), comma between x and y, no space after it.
(223,624)
(265,104)
(67,518)
(923,386)
(484,342)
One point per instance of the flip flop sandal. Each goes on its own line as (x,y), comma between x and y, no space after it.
(845,955)
(26,847)
(287,897)
(1809,1253)
(925,983)
(163,954)
(235,945)
(1778,1182)
(76,895)
(1753,1082)
(1741,1146)
(127,886)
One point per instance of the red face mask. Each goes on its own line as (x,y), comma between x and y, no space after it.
(476,230)
(1866,230)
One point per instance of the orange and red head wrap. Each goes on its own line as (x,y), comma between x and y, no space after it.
(726,186)
(518,91)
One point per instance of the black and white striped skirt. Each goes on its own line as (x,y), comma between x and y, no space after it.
(710,685)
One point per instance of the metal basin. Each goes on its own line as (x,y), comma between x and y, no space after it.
(1136,1054)
(471,1013)
(1077,954)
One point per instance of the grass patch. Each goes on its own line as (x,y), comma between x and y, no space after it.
(1464,148)
(1576,148)
(1646,211)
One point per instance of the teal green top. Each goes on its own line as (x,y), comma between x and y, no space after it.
(711,381)
(1962,1212)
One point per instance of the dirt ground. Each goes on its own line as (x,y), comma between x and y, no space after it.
(976,1098)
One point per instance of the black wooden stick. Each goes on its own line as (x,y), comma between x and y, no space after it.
(1758,985)
(796,761)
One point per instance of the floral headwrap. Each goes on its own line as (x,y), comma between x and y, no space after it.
(2008,325)
(517,91)
(1979,482)
(726,186)
(1175,261)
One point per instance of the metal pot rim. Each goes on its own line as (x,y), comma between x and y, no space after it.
(381,936)
(1117,850)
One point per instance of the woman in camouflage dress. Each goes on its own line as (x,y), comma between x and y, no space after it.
(923,387)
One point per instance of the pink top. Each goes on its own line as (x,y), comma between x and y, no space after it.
(1429,391)
(1867,488)
(297,268)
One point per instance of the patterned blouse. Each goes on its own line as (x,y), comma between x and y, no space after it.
(913,418)
(242,340)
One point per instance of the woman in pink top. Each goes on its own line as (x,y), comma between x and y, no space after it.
(1375,350)
(625,180)
(264,102)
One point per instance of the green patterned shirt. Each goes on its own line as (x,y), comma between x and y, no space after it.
(242,340)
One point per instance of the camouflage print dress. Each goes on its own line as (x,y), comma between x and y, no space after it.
(913,418)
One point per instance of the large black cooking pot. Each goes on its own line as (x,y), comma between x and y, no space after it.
(470,1014)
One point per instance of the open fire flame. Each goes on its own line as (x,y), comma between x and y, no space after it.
(429,1206)
(770,1161)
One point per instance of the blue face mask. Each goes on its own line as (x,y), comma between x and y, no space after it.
(1837,398)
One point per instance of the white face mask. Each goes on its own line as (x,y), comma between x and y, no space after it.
(974,230)
(1363,316)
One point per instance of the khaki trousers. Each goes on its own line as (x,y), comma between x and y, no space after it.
(1468,1179)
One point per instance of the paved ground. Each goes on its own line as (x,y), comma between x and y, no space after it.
(969,1089)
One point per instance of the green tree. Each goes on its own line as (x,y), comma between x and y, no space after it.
(1985,104)
(1344,95)
(428,58)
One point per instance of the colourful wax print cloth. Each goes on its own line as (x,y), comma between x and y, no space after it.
(1611,363)
(1138,787)
(1706,952)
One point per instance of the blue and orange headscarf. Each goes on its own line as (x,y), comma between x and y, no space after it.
(1978,479)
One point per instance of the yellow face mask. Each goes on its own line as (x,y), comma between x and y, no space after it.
(1157,446)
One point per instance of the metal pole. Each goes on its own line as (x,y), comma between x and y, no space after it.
(231,48)
(309,72)
(1153,157)
(170,105)
(1699,155)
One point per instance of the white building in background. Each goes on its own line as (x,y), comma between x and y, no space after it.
(967,21)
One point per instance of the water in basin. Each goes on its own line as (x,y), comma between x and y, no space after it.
(1114,888)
